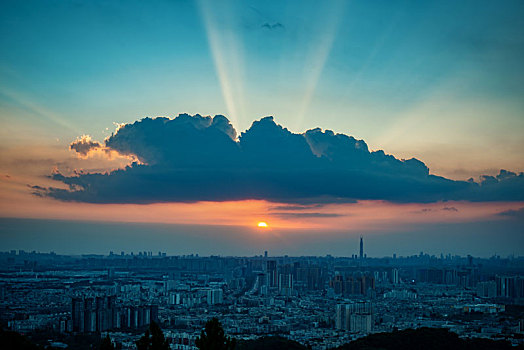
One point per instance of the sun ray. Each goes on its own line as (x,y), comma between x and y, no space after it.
(226,50)
(319,54)
(37,109)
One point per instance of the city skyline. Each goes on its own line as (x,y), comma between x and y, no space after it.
(178,240)
(319,302)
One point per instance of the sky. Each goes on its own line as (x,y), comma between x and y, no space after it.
(402,121)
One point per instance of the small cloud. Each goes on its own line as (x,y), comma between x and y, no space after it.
(296,207)
(514,213)
(86,147)
(84,144)
(425,210)
(450,209)
(38,191)
(307,215)
(273,26)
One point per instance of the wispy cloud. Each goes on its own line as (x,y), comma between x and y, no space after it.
(272,26)
(452,209)
(287,215)
(514,213)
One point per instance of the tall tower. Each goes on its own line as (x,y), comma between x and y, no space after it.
(361,248)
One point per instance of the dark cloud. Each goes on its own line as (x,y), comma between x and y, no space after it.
(287,215)
(272,26)
(518,213)
(185,141)
(506,185)
(36,190)
(84,145)
(450,209)
(194,158)
(296,207)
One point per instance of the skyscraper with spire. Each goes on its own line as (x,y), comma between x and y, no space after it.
(361,248)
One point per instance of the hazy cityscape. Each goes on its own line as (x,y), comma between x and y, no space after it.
(322,302)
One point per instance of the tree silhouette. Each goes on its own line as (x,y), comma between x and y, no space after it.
(212,337)
(106,344)
(153,339)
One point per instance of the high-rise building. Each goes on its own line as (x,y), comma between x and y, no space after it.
(89,315)
(361,248)
(487,289)
(340,316)
(354,317)
(356,284)
(310,277)
(261,284)
(510,286)
(285,284)
(394,276)
(215,296)
(271,270)
(360,323)
(100,314)
(77,314)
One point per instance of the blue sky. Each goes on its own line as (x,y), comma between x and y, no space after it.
(353,67)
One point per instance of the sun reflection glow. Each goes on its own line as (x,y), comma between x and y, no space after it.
(262,224)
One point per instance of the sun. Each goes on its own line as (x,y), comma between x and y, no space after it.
(262,224)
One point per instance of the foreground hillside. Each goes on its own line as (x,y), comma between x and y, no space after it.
(422,338)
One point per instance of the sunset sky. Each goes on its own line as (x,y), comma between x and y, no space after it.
(437,86)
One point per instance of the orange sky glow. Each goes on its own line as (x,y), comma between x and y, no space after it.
(16,200)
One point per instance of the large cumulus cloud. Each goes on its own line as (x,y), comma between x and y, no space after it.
(194,158)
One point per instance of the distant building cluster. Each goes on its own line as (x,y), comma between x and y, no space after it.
(350,285)
(356,317)
(320,301)
(99,314)
(288,279)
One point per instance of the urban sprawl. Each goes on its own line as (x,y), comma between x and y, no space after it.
(319,301)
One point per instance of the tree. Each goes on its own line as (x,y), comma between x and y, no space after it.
(212,337)
(14,340)
(106,344)
(153,339)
